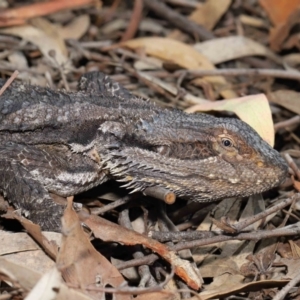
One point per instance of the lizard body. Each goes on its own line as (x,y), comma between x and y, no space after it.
(66,143)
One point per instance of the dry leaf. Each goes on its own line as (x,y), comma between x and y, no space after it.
(253,21)
(25,277)
(295,250)
(296,185)
(246,108)
(233,47)
(207,14)
(21,249)
(51,286)
(279,10)
(292,59)
(210,13)
(182,55)
(287,98)
(157,295)
(79,262)
(280,33)
(284,15)
(189,98)
(293,266)
(44,41)
(76,29)
(35,232)
(47,286)
(111,232)
(226,284)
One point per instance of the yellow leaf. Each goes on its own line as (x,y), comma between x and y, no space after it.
(254,110)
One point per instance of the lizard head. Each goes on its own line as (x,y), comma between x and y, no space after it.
(198,157)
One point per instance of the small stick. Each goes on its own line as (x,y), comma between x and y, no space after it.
(165,236)
(287,123)
(284,291)
(248,72)
(134,22)
(9,81)
(110,206)
(292,164)
(243,224)
(290,230)
(178,20)
(160,193)
(146,260)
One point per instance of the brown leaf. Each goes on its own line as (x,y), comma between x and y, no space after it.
(287,98)
(233,47)
(157,295)
(111,232)
(296,185)
(45,41)
(75,29)
(227,284)
(206,14)
(181,54)
(35,232)
(17,273)
(20,248)
(284,15)
(210,13)
(280,33)
(80,264)
(279,10)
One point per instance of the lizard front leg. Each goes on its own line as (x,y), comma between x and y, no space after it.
(28,194)
(29,172)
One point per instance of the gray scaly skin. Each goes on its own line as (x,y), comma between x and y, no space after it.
(66,143)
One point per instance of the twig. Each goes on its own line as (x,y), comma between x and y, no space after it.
(247,72)
(146,260)
(185,3)
(284,291)
(134,21)
(9,81)
(287,123)
(243,224)
(292,165)
(174,236)
(178,20)
(19,15)
(214,236)
(255,235)
(52,54)
(108,207)
(161,194)
(143,270)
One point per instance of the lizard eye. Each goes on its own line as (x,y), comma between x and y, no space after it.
(227,143)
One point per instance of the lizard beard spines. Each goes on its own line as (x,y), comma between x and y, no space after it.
(201,180)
